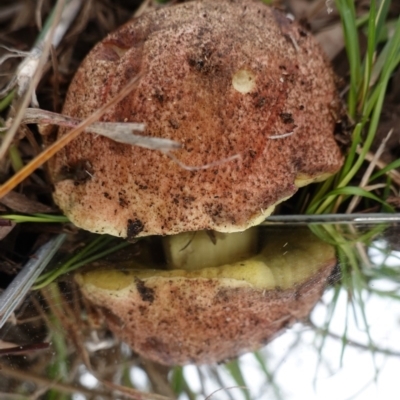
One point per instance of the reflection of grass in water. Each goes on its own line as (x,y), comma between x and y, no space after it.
(358,275)
(369,79)
(351,256)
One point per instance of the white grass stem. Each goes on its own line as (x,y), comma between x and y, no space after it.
(29,72)
(68,15)
(49,152)
(393,174)
(118,131)
(38,16)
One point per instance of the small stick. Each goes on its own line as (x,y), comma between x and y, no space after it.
(393,174)
(63,141)
(27,348)
(227,388)
(117,131)
(28,376)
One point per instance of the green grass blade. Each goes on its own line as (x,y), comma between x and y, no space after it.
(6,101)
(234,369)
(371,46)
(356,140)
(268,374)
(38,218)
(393,51)
(347,191)
(348,17)
(381,17)
(177,380)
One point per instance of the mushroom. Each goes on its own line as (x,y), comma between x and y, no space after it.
(251,98)
(212,314)
(244,89)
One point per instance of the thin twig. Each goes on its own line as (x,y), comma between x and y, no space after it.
(12,53)
(353,343)
(38,16)
(393,174)
(118,131)
(368,172)
(134,393)
(227,388)
(25,376)
(216,375)
(158,376)
(64,140)
(24,349)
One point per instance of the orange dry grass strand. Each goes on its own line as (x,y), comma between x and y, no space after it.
(63,141)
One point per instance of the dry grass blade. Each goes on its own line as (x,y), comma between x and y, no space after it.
(134,394)
(354,343)
(68,15)
(228,388)
(364,181)
(24,349)
(25,376)
(393,173)
(19,287)
(12,53)
(67,138)
(117,131)
(20,203)
(29,73)
(158,376)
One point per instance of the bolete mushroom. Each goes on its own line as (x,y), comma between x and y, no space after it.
(252,99)
(226,79)
(212,314)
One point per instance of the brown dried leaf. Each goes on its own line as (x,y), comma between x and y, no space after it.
(20,203)
(394,201)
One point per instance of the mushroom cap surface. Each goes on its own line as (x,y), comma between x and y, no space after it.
(223,78)
(177,318)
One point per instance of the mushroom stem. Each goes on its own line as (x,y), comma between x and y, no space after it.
(196,250)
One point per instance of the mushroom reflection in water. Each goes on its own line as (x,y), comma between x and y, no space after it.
(211,314)
(229,80)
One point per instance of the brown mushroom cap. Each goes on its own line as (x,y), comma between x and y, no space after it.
(179,317)
(223,78)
